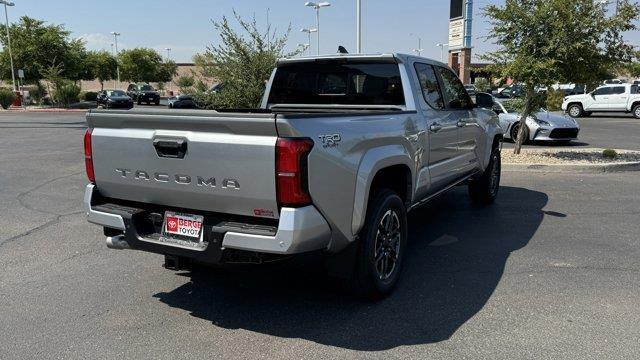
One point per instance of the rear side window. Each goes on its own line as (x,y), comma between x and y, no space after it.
(634,89)
(618,90)
(338,83)
(429,84)
(455,94)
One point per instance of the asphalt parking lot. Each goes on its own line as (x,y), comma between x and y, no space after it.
(551,271)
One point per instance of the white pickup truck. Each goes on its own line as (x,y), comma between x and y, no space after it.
(608,98)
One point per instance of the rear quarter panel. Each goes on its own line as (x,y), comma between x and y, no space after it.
(338,172)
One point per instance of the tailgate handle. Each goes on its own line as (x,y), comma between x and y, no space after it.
(170,148)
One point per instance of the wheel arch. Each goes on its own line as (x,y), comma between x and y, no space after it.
(385,166)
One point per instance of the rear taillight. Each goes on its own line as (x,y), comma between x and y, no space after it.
(291,172)
(88,156)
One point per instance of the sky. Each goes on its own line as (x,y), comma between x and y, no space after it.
(186,26)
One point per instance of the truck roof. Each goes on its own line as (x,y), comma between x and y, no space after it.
(395,57)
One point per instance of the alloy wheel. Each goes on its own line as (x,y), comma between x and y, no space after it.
(387,245)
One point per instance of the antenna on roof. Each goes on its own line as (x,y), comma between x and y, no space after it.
(342,50)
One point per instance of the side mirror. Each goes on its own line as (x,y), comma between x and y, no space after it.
(484,100)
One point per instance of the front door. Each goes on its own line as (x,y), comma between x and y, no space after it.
(600,99)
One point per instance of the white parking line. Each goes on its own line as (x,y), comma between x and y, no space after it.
(624,122)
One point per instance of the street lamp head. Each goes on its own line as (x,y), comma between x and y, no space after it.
(308,31)
(318,5)
(7,3)
(115,33)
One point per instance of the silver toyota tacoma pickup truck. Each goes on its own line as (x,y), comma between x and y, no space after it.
(341,149)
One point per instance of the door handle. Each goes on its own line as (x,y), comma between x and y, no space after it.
(435,127)
(461,124)
(170,148)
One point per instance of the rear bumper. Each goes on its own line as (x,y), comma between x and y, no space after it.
(299,230)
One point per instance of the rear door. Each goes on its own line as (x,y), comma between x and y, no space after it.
(461,106)
(200,160)
(442,129)
(618,98)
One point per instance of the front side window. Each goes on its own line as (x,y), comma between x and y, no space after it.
(634,89)
(429,84)
(339,83)
(602,91)
(456,97)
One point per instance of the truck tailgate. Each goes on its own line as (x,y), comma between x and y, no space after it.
(200,160)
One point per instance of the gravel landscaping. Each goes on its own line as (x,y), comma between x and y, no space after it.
(564,156)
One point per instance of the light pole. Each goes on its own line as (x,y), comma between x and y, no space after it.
(442,46)
(359,26)
(419,49)
(168,53)
(115,36)
(309,31)
(6,17)
(317,7)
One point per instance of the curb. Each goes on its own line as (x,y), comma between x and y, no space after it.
(577,168)
(59,110)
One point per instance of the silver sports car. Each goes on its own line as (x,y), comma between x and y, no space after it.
(541,126)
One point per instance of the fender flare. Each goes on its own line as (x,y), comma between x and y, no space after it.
(492,132)
(373,161)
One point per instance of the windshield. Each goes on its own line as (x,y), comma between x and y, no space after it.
(146,88)
(116,93)
(353,83)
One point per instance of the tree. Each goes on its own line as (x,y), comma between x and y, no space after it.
(242,62)
(541,42)
(185,83)
(36,46)
(102,65)
(634,68)
(145,65)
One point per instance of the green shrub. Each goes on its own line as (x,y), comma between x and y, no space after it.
(554,100)
(185,83)
(483,85)
(37,95)
(609,154)
(66,93)
(89,96)
(514,103)
(7,97)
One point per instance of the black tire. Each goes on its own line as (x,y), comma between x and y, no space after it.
(139,101)
(636,111)
(157,102)
(514,132)
(575,110)
(375,279)
(484,188)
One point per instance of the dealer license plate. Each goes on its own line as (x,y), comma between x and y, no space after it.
(182,226)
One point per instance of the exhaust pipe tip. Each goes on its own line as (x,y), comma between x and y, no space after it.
(117,243)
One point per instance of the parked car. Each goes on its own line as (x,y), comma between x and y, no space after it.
(513,91)
(112,99)
(323,166)
(182,102)
(623,98)
(541,126)
(143,93)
